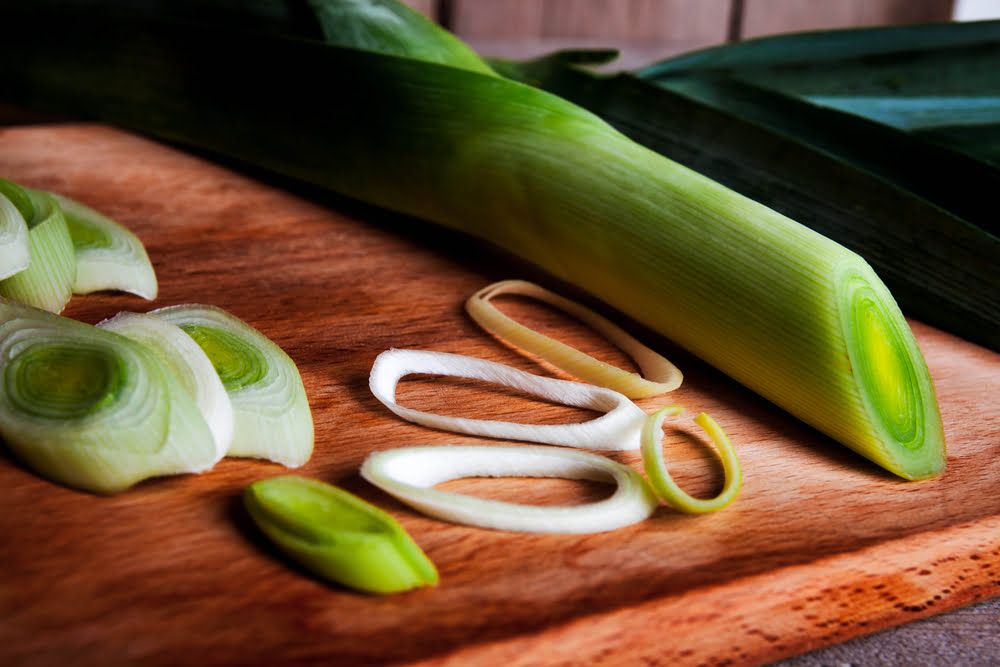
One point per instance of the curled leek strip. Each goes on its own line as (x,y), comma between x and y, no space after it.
(661,375)
(91,409)
(663,483)
(108,256)
(410,473)
(618,429)
(271,417)
(14,253)
(338,535)
(47,282)
(189,364)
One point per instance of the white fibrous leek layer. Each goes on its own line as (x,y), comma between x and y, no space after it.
(91,409)
(190,365)
(47,282)
(661,375)
(14,253)
(618,429)
(410,473)
(108,256)
(270,409)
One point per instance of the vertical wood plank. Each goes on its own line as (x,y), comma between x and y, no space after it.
(764,17)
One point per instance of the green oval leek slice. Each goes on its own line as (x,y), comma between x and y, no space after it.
(91,409)
(664,485)
(47,282)
(271,417)
(108,256)
(189,364)
(14,252)
(338,535)
(410,473)
(661,375)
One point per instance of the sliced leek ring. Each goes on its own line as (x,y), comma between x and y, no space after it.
(14,251)
(91,409)
(663,483)
(618,429)
(410,473)
(661,375)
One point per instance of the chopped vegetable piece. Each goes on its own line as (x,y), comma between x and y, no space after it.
(270,409)
(47,282)
(91,409)
(14,252)
(108,256)
(618,429)
(663,483)
(338,535)
(189,364)
(410,473)
(662,376)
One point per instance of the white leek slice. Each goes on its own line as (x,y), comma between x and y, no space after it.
(14,252)
(663,483)
(618,429)
(410,473)
(91,409)
(190,365)
(108,256)
(661,375)
(271,417)
(47,282)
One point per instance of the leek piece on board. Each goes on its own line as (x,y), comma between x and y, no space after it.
(91,409)
(338,535)
(271,417)
(787,312)
(189,364)
(47,281)
(108,256)
(14,252)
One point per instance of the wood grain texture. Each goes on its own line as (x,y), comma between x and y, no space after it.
(821,546)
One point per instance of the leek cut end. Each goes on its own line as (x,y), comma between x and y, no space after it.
(895,385)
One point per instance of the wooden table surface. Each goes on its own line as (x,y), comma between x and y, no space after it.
(820,547)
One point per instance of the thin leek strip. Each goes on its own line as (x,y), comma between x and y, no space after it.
(91,409)
(47,282)
(618,429)
(14,252)
(108,256)
(410,473)
(664,485)
(189,364)
(661,375)
(338,536)
(271,417)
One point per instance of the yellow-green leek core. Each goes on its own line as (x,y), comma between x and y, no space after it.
(664,485)
(238,363)
(338,536)
(63,381)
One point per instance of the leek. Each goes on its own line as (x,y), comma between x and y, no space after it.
(189,364)
(14,253)
(271,417)
(410,473)
(47,281)
(108,256)
(338,535)
(785,311)
(91,409)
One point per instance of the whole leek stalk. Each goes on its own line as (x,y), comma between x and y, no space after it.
(787,312)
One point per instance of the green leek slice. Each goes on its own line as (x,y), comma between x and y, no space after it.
(662,376)
(338,535)
(47,282)
(91,409)
(189,364)
(108,256)
(664,485)
(410,473)
(14,252)
(271,417)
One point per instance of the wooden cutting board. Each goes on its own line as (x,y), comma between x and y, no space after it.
(820,546)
